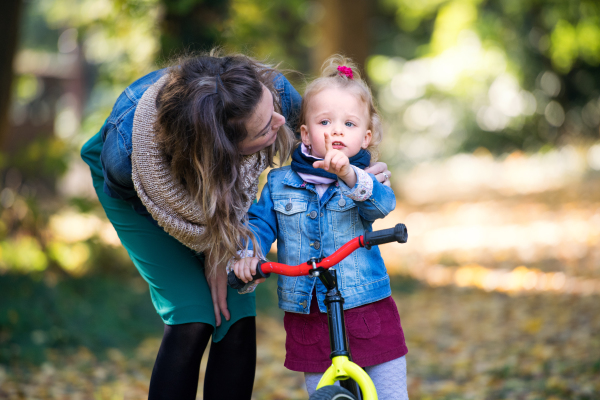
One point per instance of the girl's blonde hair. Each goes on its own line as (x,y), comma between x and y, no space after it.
(332,77)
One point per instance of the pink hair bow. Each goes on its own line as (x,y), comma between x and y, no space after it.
(345,71)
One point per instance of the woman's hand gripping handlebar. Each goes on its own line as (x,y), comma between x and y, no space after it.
(264,269)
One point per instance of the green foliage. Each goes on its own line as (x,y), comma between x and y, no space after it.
(119,42)
(119,38)
(23,254)
(278,30)
(44,157)
(95,312)
(191,26)
(499,74)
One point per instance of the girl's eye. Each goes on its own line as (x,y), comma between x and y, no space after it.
(324,122)
(349,124)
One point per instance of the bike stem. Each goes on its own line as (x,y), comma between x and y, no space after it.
(334,302)
(335,314)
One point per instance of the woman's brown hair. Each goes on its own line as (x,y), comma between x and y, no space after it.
(202,113)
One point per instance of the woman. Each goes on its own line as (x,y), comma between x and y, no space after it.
(175,167)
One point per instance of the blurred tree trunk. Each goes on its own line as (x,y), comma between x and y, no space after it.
(344,29)
(191,25)
(10,19)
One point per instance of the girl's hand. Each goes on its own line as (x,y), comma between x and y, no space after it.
(337,163)
(382,174)
(245,268)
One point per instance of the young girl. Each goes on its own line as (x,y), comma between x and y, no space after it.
(314,206)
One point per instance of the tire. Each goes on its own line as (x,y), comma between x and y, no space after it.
(332,393)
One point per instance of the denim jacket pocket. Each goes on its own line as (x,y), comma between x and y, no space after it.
(340,203)
(344,219)
(290,206)
(289,215)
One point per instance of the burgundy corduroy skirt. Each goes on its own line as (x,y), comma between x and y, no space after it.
(374,333)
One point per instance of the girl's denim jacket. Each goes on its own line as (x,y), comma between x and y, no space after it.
(306,226)
(116,135)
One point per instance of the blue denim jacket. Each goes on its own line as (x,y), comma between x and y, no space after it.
(116,135)
(306,226)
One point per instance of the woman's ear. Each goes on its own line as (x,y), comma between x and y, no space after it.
(304,135)
(367,139)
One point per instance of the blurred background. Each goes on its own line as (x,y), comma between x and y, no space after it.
(492,114)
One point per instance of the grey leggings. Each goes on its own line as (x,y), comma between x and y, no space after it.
(389,379)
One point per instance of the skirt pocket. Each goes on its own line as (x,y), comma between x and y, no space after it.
(364,325)
(304,329)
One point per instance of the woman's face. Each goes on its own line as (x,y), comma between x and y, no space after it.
(262,126)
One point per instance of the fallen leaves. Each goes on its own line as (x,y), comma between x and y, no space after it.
(463,344)
(469,344)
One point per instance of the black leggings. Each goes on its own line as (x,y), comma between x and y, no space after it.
(230,369)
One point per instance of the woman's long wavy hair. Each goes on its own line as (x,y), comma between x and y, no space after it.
(331,77)
(202,113)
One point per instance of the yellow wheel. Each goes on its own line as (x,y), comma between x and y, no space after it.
(332,393)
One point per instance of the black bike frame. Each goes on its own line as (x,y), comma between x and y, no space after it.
(338,340)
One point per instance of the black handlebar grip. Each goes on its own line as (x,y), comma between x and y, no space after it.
(236,283)
(396,234)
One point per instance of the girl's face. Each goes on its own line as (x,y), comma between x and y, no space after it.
(343,115)
(262,126)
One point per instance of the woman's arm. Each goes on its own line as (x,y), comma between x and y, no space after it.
(263,223)
(263,220)
(290,101)
(373,199)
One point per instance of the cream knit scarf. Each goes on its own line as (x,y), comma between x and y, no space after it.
(167,200)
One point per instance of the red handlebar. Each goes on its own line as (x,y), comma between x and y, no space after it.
(396,234)
(304,268)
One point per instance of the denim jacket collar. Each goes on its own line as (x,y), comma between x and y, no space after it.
(293,179)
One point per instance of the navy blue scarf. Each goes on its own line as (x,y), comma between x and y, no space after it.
(302,163)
